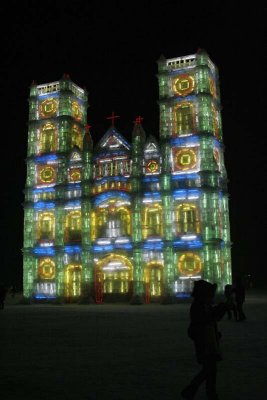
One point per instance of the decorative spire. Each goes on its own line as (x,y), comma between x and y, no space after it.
(138,130)
(113,117)
(162,58)
(138,120)
(87,140)
(66,77)
(201,51)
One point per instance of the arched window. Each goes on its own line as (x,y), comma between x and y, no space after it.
(76,137)
(187,219)
(73,226)
(215,121)
(112,222)
(153,278)
(113,274)
(184,118)
(48,138)
(73,281)
(152,221)
(46,226)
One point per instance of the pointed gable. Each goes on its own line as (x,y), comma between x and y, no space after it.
(113,140)
(75,156)
(151,147)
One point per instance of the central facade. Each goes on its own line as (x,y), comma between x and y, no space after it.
(119,220)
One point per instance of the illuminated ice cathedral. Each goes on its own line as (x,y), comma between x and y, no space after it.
(122,221)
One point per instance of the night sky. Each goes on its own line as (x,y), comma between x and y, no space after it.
(111,48)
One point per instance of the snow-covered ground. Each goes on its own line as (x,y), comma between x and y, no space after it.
(124,352)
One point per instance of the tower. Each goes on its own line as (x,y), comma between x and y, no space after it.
(193,172)
(53,208)
(137,221)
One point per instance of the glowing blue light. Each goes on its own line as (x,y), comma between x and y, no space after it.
(185,141)
(193,192)
(45,159)
(73,186)
(180,99)
(42,205)
(72,204)
(125,246)
(111,195)
(111,179)
(217,143)
(180,194)
(186,193)
(151,179)
(48,95)
(98,248)
(44,251)
(182,295)
(188,244)
(153,245)
(72,249)
(43,296)
(108,154)
(184,176)
(44,190)
(152,194)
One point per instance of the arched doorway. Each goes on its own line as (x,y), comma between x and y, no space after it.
(113,278)
(153,278)
(73,281)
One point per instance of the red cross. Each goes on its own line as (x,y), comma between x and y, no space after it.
(138,120)
(113,117)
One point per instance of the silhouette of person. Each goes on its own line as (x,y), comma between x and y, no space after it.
(204,333)
(3,291)
(13,291)
(240,294)
(230,301)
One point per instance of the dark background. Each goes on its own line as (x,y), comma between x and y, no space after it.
(111,48)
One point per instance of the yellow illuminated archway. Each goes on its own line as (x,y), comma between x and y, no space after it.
(46,226)
(111,221)
(113,274)
(184,118)
(76,137)
(73,226)
(48,138)
(153,278)
(152,220)
(73,280)
(187,218)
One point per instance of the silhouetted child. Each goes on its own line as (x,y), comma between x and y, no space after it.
(239,292)
(230,301)
(203,331)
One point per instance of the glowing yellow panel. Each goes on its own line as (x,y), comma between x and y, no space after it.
(46,174)
(189,264)
(185,159)
(152,166)
(76,110)
(46,268)
(48,107)
(75,174)
(183,84)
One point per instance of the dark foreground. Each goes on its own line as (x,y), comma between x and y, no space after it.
(124,352)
